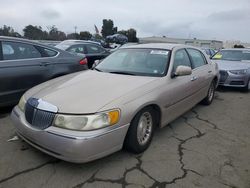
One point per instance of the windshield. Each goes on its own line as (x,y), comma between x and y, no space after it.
(232,55)
(141,62)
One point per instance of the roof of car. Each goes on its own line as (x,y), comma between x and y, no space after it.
(167,46)
(81,41)
(15,39)
(32,42)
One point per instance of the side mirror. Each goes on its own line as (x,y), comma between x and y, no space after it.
(183,70)
(96,62)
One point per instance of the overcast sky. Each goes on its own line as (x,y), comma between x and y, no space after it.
(205,19)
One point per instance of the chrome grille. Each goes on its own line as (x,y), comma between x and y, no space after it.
(38,118)
(223,76)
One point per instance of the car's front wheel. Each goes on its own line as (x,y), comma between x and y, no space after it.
(141,131)
(210,94)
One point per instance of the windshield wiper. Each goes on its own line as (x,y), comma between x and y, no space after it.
(121,72)
(97,69)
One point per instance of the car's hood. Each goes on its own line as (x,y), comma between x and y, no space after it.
(88,91)
(232,65)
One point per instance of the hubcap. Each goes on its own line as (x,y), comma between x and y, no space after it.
(144,129)
(211,92)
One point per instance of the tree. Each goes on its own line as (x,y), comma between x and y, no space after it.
(8,31)
(108,28)
(131,34)
(55,34)
(238,46)
(85,35)
(34,32)
(123,32)
(73,36)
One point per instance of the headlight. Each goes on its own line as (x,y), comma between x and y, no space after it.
(243,71)
(87,122)
(22,103)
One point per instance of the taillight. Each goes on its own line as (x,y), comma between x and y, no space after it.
(84,61)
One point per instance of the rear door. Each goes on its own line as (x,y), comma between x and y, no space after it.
(21,68)
(202,71)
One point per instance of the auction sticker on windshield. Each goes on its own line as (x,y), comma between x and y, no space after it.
(159,52)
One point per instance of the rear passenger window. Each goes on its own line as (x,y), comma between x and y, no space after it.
(94,49)
(77,49)
(49,53)
(16,50)
(197,58)
(181,58)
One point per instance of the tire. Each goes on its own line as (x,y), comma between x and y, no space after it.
(141,131)
(210,94)
(247,87)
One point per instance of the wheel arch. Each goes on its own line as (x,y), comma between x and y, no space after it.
(155,107)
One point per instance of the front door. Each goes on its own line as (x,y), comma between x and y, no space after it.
(21,68)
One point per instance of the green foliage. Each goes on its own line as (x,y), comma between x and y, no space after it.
(238,46)
(53,33)
(85,35)
(34,32)
(8,31)
(97,36)
(131,34)
(37,33)
(75,36)
(108,28)
(123,32)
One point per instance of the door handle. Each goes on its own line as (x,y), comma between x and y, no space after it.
(44,63)
(193,78)
(209,71)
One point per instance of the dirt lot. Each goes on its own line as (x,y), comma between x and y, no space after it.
(206,147)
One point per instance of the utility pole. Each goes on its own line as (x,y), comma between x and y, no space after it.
(75,31)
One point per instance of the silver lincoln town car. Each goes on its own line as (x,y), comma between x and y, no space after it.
(119,103)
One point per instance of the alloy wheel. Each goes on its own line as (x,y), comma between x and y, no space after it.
(144,129)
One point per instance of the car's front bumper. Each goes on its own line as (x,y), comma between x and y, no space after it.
(233,80)
(83,147)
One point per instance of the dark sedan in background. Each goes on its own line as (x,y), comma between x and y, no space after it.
(117,38)
(234,66)
(24,64)
(92,50)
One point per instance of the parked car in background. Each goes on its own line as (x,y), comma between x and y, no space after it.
(101,42)
(117,38)
(210,52)
(118,46)
(48,42)
(92,50)
(131,92)
(24,64)
(234,66)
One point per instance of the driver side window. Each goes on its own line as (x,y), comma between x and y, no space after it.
(181,58)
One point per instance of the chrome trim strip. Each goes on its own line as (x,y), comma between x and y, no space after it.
(43,105)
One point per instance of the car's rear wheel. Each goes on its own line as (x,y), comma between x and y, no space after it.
(210,94)
(141,131)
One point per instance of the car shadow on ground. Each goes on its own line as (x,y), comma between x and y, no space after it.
(230,89)
(5,111)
